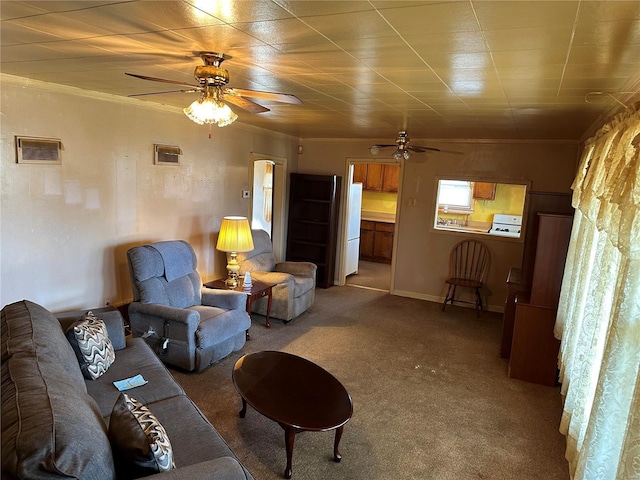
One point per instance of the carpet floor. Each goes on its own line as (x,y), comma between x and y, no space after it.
(432,399)
(371,275)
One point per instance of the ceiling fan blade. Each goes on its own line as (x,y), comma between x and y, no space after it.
(163,80)
(415,148)
(245,104)
(160,93)
(385,146)
(276,97)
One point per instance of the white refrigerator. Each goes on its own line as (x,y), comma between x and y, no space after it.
(353,228)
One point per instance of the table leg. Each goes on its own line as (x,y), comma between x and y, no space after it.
(336,454)
(247,336)
(243,412)
(269,297)
(289,437)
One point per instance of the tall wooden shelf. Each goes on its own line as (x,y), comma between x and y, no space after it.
(520,279)
(313,223)
(534,349)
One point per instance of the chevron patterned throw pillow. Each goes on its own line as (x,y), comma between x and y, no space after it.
(90,340)
(139,441)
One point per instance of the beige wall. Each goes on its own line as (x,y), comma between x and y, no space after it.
(421,255)
(64,230)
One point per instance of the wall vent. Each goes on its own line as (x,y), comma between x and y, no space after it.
(47,151)
(167,155)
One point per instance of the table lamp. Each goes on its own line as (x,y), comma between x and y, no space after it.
(234,237)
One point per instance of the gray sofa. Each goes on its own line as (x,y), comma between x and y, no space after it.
(55,422)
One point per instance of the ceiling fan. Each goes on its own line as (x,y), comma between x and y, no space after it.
(402,146)
(212,80)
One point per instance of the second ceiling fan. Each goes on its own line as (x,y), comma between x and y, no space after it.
(402,146)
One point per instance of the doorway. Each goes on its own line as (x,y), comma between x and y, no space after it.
(268,195)
(377,214)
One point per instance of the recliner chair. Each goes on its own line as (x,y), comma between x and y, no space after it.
(190,327)
(295,282)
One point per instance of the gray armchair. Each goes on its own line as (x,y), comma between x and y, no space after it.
(189,326)
(295,281)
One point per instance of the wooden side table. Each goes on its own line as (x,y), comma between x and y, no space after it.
(258,290)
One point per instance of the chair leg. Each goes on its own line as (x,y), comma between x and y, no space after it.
(449,296)
(478,302)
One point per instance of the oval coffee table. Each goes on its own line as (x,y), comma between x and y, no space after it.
(294,392)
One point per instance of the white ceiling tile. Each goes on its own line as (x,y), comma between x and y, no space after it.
(453,69)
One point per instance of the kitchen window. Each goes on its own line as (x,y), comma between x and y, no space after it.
(482,207)
(455,196)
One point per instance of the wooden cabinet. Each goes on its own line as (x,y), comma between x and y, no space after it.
(390,178)
(520,279)
(376,177)
(376,241)
(360,173)
(484,191)
(313,223)
(534,350)
(515,285)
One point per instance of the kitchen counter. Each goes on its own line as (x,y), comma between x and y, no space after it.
(378,216)
(463,228)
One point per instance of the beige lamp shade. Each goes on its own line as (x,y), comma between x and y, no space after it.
(235,235)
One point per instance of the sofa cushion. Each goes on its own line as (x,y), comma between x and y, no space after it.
(90,341)
(136,358)
(140,443)
(184,428)
(51,428)
(29,327)
(111,317)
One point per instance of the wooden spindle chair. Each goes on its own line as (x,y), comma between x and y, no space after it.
(468,264)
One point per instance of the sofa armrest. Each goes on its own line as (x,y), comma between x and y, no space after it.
(228,299)
(111,317)
(300,269)
(223,468)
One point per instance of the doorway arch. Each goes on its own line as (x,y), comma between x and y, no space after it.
(271,183)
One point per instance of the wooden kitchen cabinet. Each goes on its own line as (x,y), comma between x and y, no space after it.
(367,231)
(360,173)
(376,241)
(390,178)
(484,191)
(376,177)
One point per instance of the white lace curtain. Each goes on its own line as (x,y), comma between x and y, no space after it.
(599,312)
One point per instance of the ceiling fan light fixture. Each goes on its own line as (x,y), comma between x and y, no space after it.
(208,110)
(374,149)
(397,155)
(406,154)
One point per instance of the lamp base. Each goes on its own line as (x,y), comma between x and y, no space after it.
(231,282)
(232,269)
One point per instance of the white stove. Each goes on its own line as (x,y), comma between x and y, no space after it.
(506,225)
